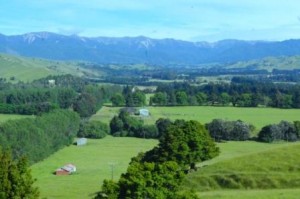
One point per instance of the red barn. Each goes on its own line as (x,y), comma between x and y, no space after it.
(66,170)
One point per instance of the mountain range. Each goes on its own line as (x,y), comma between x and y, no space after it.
(130,50)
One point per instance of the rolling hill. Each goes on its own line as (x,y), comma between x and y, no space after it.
(271,168)
(17,68)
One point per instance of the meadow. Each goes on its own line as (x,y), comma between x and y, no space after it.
(259,117)
(98,160)
(95,161)
(16,68)
(265,172)
(5,117)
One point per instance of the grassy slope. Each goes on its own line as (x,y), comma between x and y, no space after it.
(249,165)
(93,166)
(5,117)
(28,69)
(269,63)
(252,194)
(256,116)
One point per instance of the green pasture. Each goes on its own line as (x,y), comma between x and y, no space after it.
(252,194)
(5,117)
(259,117)
(28,69)
(94,163)
(249,170)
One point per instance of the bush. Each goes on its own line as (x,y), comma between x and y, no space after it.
(275,132)
(93,129)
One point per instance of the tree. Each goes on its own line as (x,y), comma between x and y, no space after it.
(116,125)
(159,98)
(229,130)
(93,129)
(162,126)
(288,131)
(224,98)
(15,178)
(201,98)
(139,98)
(218,130)
(118,100)
(270,133)
(181,98)
(297,128)
(159,172)
(240,131)
(85,105)
(283,131)
(185,142)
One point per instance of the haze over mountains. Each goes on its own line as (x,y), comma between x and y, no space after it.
(128,50)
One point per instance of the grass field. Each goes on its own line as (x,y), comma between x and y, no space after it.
(259,117)
(5,117)
(93,162)
(252,194)
(28,69)
(249,170)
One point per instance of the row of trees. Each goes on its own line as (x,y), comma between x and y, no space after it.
(129,97)
(229,130)
(126,125)
(68,92)
(159,172)
(285,131)
(239,93)
(37,138)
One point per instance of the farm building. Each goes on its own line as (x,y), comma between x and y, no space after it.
(81,141)
(144,112)
(66,170)
(51,82)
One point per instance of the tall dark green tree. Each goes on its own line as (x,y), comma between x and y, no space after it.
(15,178)
(118,100)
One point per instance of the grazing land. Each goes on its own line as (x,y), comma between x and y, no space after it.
(259,117)
(15,68)
(266,170)
(251,194)
(5,117)
(94,162)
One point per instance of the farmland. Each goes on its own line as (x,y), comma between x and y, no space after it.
(93,161)
(5,117)
(16,68)
(272,169)
(259,117)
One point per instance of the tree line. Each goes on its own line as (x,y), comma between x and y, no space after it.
(240,92)
(37,138)
(67,92)
(126,125)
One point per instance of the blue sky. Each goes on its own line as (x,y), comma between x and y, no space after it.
(193,20)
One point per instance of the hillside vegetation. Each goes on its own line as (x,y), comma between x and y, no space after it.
(270,63)
(272,168)
(5,117)
(16,68)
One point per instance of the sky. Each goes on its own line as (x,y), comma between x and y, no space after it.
(191,20)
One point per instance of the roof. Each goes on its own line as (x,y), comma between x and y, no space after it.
(144,112)
(68,167)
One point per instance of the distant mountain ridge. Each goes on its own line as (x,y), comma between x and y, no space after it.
(127,50)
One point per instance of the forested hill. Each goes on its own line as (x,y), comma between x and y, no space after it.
(142,49)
